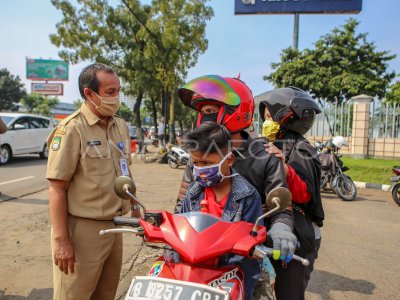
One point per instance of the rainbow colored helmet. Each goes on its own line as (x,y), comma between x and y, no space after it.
(233,96)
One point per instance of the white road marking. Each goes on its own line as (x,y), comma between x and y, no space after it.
(16,180)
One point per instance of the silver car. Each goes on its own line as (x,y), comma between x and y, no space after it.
(26,134)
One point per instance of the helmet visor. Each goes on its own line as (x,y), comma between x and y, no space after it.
(209,87)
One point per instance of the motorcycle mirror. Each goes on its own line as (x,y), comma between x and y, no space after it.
(125,188)
(279,197)
(122,184)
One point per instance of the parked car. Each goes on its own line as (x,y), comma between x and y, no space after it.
(133,132)
(26,134)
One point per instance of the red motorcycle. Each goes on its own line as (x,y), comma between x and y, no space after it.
(193,244)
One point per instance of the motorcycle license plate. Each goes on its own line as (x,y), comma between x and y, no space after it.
(395,178)
(155,288)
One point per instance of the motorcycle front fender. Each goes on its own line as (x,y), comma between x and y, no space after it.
(393,185)
(171,156)
(335,180)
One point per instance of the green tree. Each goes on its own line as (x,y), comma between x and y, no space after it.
(11,90)
(152,107)
(342,64)
(78,103)
(149,45)
(185,116)
(181,26)
(31,101)
(44,108)
(39,104)
(125,113)
(393,96)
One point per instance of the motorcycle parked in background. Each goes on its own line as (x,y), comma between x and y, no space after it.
(193,244)
(395,187)
(319,146)
(177,157)
(332,170)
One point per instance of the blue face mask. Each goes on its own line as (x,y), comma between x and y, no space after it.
(210,175)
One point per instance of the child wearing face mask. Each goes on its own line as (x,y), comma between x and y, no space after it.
(219,190)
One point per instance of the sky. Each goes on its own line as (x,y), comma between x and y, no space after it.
(245,44)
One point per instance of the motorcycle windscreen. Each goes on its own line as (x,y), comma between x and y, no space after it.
(200,221)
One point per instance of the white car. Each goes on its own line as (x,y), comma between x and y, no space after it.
(26,134)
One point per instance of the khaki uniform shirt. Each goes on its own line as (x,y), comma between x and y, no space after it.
(3,126)
(87,154)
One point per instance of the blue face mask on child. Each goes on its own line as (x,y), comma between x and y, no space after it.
(210,175)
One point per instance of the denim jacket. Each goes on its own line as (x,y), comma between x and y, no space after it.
(244,203)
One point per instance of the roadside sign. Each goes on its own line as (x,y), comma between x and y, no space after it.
(297,6)
(46,70)
(54,89)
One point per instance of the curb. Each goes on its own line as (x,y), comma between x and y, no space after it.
(366,185)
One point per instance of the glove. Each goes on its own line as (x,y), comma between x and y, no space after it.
(283,240)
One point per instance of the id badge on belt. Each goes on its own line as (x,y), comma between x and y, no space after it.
(124,166)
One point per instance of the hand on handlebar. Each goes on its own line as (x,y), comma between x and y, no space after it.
(283,240)
(64,256)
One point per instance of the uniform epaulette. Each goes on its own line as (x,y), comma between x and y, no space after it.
(60,129)
(65,121)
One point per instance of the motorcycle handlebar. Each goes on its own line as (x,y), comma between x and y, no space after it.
(261,251)
(125,221)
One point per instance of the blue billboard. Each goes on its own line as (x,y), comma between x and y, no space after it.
(297,6)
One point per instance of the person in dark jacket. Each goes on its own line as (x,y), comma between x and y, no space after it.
(228,101)
(220,190)
(288,113)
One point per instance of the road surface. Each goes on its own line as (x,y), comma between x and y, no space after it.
(358,257)
(24,175)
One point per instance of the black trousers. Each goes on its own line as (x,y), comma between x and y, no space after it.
(292,278)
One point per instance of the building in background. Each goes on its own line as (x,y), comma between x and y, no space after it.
(62,110)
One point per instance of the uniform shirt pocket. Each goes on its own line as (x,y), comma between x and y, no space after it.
(98,161)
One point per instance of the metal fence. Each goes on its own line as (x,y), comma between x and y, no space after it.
(335,119)
(384,120)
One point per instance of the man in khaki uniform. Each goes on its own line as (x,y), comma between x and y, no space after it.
(3,126)
(87,151)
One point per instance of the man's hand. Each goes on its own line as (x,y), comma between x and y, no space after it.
(64,256)
(272,149)
(63,252)
(284,241)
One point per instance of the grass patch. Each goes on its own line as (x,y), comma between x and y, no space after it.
(370,170)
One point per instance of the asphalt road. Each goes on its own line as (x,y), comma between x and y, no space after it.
(358,258)
(359,255)
(24,175)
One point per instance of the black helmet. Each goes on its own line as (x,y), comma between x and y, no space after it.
(291,107)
